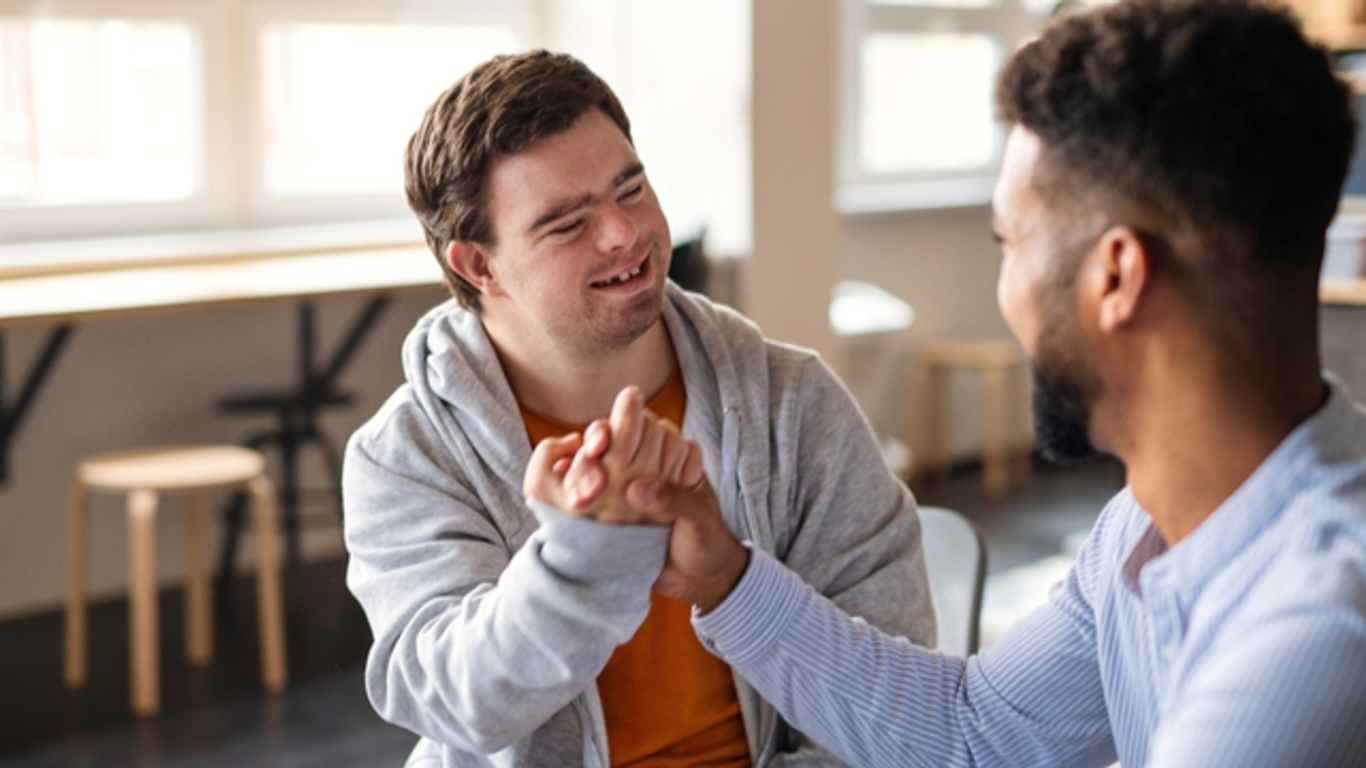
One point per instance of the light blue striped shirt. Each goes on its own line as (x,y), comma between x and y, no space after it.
(1243,645)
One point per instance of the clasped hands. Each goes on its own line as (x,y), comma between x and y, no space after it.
(634,468)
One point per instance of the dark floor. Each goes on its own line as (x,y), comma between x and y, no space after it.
(214,716)
(219,717)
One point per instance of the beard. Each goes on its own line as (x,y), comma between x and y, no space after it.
(1064,393)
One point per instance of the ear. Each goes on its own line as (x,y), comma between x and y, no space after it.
(471,261)
(1120,279)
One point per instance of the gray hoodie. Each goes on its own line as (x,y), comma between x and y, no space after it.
(492,617)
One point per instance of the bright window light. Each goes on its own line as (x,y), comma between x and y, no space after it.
(339,101)
(99,110)
(682,70)
(925,102)
(938,3)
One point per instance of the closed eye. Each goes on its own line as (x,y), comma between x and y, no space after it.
(565,229)
(633,193)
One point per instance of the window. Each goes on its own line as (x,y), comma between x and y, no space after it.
(132,116)
(682,71)
(916,127)
(138,116)
(71,95)
(335,123)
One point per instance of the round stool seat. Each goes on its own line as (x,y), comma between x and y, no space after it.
(972,353)
(172,468)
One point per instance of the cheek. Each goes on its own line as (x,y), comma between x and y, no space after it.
(1008,293)
(1016,300)
(651,217)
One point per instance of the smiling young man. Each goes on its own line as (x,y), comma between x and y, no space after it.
(1170,171)
(504,635)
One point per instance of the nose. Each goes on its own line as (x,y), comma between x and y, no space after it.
(617,229)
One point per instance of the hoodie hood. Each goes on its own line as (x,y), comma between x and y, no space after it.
(456,378)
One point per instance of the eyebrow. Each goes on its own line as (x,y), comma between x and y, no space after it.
(569,206)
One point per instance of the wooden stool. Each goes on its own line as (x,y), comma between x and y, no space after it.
(142,475)
(993,360)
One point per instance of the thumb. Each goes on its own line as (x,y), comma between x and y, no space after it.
(646,494)
(547,460)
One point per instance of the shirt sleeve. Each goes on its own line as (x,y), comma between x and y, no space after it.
(875,700)
(849,526)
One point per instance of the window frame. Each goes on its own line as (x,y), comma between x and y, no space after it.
(232,169)
(859,191)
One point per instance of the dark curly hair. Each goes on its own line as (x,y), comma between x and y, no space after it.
(1210,124)
(499,108)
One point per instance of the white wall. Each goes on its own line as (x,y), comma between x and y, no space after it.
(796,233)
(943,263)
(127,383)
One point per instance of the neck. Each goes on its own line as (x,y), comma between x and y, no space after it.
(577,387)
(1191,436)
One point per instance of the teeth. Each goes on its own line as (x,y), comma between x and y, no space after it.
(623,277)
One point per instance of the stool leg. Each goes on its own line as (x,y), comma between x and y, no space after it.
(939,411)
(75,651)
(290,493)
(198,617)
(269,601)
(142,603)
(996,460)
(918,419)
(1022,470)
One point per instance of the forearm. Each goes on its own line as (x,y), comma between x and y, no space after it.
(870,698)
(475,649)
(1034,698)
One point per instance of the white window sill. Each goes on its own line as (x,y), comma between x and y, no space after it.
(63,256)
(925,195)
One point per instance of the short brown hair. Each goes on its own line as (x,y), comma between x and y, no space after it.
(498,108)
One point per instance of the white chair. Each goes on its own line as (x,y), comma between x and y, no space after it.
(956,559)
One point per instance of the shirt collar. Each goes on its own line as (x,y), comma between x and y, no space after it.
(1259,501)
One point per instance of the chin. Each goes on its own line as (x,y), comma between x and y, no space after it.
(1062,406)
(628,325)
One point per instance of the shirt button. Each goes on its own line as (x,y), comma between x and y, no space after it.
(1169,652)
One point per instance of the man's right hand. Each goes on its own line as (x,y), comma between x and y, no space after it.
(664,484)
(705,559)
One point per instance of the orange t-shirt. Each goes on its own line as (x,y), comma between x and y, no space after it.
(668,702)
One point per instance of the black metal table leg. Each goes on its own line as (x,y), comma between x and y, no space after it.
(297,412)
(12,416)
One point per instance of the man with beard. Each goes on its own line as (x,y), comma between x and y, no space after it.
(1169,174)
(511,636)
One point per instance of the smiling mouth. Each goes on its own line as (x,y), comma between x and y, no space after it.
(624,277)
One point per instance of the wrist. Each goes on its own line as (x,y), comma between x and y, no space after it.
(729,575)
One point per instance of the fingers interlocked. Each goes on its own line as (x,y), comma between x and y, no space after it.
(631,452)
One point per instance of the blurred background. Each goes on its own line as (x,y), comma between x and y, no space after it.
(827,162)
